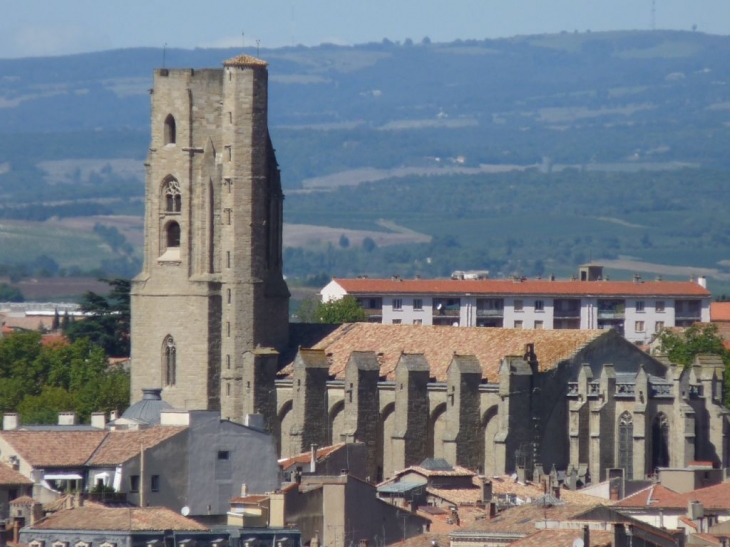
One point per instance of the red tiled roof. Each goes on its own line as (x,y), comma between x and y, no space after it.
(8,475)
(121,446)
(712,497)
(305,457)
(244,60)
(559,538)
(99,517)
(655,496)
(521,519)
(250,499)
(425,540)
(54,448)
(719,311)
(439,344)
(706,539)
(23,500)
(529,490)
(527,287)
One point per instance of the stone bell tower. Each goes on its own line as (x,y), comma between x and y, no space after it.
(210,308)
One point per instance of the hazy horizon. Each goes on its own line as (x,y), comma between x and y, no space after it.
(48,27)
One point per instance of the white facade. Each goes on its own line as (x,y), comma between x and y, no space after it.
(637,317)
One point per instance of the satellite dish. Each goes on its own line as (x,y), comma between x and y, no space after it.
(578,542)
(186,511)
(440,307)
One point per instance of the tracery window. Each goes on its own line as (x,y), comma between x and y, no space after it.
(172,196)
(169,360)
(626,444)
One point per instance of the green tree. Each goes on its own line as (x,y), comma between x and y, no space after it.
(681,348)
(8,293)
(344,310)
(107,319)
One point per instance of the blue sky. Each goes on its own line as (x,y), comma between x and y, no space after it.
(56,27)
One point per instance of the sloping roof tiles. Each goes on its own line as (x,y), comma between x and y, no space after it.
(719,311)
(8,475)
(521,519)
(438,344)
(117,518)
(654,496)
(120,446)
(598,538)
(244,60)
(528,287)
(305,457)
(55,448)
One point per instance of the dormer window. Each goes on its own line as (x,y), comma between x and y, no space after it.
(170,130)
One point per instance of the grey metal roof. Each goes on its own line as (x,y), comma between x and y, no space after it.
(147,410)
(436,464)
(399,487)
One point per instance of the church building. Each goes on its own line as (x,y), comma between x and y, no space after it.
(210,328)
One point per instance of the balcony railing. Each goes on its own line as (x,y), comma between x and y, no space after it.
(490,313)
(370,312)
(566,314)
(611,314)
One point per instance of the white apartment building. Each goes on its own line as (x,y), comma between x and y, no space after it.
(637,309)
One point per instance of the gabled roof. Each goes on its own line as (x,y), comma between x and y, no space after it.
(8,475)
(521,520)
(54,448)
(48,448)
(121,446)
(23,500)
(505,287)
(99,517)
(654,496)
(438,344)
(505,485)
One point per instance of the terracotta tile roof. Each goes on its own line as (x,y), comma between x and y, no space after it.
(322,454)
(705,539)
(120,446)
(654,496)
(504,485)
(439,344)
(457,496)
(97,517)
(719,311)
(54,448)
(425,540)
(689,522)
(560,538)
(712,497)
(23,500)
(528,287)
(244,60)
(250,499)
(8,475)
(521,519)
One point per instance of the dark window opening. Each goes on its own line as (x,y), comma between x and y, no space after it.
(170,361)
(173,235)
(134,484)
(170,130)
(155,483)
(224,455)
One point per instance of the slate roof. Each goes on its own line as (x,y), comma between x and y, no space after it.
(559,538)
(438,344)
(97,517)
(121,446)
(8,475)
(244,60)
(528,287)
(55,448)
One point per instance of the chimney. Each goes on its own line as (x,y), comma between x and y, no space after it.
(98,420)
(313,459)
(244,490)
(36,512)
(492,509)
(552,277)
(113,415)
(637,278)
(486,489)
(556,491)
(586,535)
(702,281)
(67,418)
(10,421)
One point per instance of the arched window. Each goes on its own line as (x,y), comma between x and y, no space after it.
(626,444)
(172,196)
(170,130)
(173,235)
(169,361)
(660,442)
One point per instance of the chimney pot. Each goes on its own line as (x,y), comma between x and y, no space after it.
(10,421)
(67,418)
(98,420)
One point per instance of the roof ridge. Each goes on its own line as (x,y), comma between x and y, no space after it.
(98,447)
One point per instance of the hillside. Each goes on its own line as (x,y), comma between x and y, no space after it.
(542,129)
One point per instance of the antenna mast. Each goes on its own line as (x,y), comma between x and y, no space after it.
(653,14)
